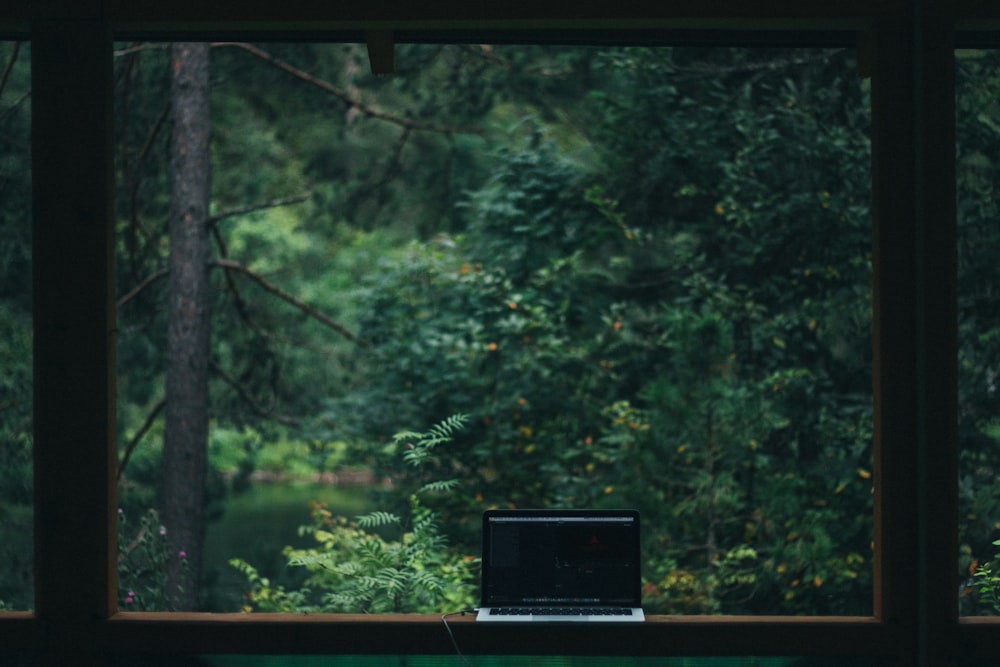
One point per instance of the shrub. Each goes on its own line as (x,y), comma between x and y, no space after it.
(382,562)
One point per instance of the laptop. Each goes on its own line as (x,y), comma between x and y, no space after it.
(560,566)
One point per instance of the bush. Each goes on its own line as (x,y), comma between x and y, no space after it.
(381,562)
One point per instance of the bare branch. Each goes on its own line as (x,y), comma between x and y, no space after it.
(390,170)
(151,137)
(241,304)
(230,265)
(3,84)
(244,393)
(134,442)
(149,280)
(136,48)
(214,219)
(12,109)
(10,66)
(133,174)
(345,98)
(243,210)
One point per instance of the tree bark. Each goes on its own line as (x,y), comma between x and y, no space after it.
(186,430)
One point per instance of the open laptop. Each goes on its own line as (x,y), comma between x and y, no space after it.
(560,565)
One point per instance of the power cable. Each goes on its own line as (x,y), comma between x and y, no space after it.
(451,635)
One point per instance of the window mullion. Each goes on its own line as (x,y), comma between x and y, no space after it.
(73,335)
(914,334)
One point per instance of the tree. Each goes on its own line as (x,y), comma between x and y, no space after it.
(189,313)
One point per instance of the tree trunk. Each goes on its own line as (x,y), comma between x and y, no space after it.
(186,431)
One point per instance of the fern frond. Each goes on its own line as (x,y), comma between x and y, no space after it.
(416,456)
(419,445)
(375,553)
(312,560)
(407,435)
(428,581)
(439,486)
(448,426)
(378,519)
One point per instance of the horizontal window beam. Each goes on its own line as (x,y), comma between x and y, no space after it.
(20,631)
(312,16)
(978,637)
(593,20)
(177,633)
(426,634)
(480,13)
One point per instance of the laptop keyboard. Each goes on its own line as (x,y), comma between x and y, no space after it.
(560,611)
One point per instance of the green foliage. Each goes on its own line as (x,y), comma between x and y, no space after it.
(16,552)
(978,322)
(15,328)
(677,329)
(986,580)
(143,552)
(418,448)
(381,562)
(15,405)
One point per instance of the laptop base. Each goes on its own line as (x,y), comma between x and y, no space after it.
(486,615)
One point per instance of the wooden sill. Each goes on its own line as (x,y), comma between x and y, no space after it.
(426,634)
(19,631)
(979,636)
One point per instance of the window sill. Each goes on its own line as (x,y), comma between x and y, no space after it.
(426,634)
(19,631)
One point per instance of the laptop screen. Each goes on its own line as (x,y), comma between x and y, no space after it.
(561,557)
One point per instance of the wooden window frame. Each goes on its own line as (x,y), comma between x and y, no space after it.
(905,46)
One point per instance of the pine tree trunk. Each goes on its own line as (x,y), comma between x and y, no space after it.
(186,431)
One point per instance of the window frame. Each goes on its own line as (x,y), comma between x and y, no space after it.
(905,46)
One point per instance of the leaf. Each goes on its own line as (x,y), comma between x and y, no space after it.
(378,519)
(441,486)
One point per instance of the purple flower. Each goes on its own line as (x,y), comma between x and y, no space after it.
(129,600)
(182,554)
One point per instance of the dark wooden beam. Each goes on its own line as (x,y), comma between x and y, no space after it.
(937,338)
(895,332)
(74,416)
(381,51)
(978,637)
(20,631)
(500,14)
(914,309)
(426,634)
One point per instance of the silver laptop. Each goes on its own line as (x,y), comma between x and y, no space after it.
(561,566)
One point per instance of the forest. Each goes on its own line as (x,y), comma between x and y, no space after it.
(504,275)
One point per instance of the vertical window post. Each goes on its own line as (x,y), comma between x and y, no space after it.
(914,333)
(73,336)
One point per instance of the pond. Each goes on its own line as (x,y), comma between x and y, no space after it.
(257,524)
